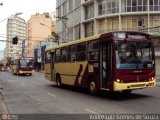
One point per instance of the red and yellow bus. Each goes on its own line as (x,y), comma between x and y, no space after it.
(22,66)
(115,61)
(3,67)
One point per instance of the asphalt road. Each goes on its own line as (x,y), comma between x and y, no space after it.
(35,95)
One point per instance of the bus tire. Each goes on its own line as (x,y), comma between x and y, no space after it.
(127,91)
(58,80)
(92,87)
(30,74)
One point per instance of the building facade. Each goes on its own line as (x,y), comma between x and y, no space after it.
(39,27)
(83,18)
(16,26)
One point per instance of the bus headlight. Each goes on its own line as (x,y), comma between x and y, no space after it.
(151,79)
(118,80)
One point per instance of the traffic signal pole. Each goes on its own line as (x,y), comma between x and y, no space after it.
(15,40)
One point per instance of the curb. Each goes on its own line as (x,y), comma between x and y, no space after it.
(158,84)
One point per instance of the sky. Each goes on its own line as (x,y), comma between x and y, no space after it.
(27,7)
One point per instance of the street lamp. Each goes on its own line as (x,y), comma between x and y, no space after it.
(11,16)
(54,34)
(20,13)
(45,25)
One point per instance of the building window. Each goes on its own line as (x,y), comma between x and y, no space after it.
(134,5)
(77,32)
(89,11)
(140,22)
(70,34)
(156,5)
(77,3)
(140,8)
(151,5)
(59,11)
(112,6)
(64,8)
(102,7)
(70,5)
(89,29)
(115,6)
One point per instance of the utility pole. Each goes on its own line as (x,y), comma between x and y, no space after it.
(41,55)
(64,23)
(53,34)
(23,47)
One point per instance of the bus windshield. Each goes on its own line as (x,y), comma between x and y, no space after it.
(25,63)
(134,55)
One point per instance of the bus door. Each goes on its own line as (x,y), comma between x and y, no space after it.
(105,64)
(52,66)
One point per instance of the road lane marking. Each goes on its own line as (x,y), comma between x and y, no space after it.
(88,110)
(52,95)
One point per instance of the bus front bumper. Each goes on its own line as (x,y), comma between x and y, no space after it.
(25,72)
(132,86)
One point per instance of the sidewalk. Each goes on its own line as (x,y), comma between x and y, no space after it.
(158,83)
(3,108)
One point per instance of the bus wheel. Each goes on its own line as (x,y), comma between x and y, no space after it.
(30,74)
(92,87)
(58,80)
(127,91)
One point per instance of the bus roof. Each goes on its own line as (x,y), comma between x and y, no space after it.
(103,35)
(74,42)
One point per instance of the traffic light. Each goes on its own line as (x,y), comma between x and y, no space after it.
(15,40)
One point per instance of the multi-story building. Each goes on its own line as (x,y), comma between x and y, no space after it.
(2,54)
(39,27)
(83,18)
(16,26)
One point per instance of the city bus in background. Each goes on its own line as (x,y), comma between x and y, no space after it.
(3,67)
(114,61)
(22,66)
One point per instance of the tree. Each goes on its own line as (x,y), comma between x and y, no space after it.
(9,61)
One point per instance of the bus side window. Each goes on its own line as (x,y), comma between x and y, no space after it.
(93,50)
(81,51)
(72,53)
(58,55)
(64,54)
(47,57)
